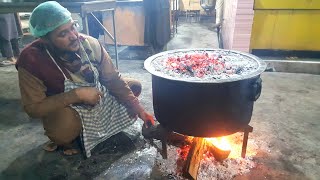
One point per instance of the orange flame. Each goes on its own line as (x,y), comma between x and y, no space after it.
(231,142)
(220,142)
(234,143)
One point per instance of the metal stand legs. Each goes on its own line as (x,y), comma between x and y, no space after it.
(246,131)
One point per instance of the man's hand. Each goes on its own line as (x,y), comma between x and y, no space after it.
(147,118)
(89,95)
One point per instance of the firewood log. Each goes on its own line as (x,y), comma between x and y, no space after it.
(194,158)
(218,154)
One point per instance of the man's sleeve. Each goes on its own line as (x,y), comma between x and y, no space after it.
(111,78)
(34,100)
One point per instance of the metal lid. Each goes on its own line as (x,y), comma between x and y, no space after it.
(259,65)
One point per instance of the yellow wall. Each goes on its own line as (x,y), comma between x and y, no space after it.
(294,27)
(287,4)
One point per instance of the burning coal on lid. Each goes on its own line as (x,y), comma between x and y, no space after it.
(202,65)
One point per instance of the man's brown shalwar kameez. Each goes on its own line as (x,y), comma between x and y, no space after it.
(42,86)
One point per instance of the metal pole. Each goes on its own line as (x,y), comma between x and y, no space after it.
(115,38)
(173,15)
(247,130)
(244,144)
(164,147)
(176,16)
(85,23)
(102,26)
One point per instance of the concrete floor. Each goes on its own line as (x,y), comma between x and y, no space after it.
(285,120)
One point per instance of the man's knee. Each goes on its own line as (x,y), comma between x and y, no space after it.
(62,126)
(134,85)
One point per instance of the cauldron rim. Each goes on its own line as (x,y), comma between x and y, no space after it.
(147,64)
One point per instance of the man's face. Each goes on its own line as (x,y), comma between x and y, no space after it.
(65,38)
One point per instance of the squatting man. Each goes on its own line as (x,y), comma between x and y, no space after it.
(67,79)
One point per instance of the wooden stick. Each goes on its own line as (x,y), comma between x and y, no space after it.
(218,154)
(194,158)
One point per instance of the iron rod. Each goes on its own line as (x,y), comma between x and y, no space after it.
(115,38)
(102,26)
(164,147)
(247,130)
(176,16)
(85,24)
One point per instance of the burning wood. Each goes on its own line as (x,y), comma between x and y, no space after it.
(209,167)
(218,147)
(194,157)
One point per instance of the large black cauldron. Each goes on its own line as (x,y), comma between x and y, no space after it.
(204,109)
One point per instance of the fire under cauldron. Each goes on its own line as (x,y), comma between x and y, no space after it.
(204,93)
(205,108)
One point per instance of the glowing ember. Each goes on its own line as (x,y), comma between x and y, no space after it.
(197,64)
(204,65)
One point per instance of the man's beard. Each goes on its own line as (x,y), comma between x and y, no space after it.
(66,51)
(74,42)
